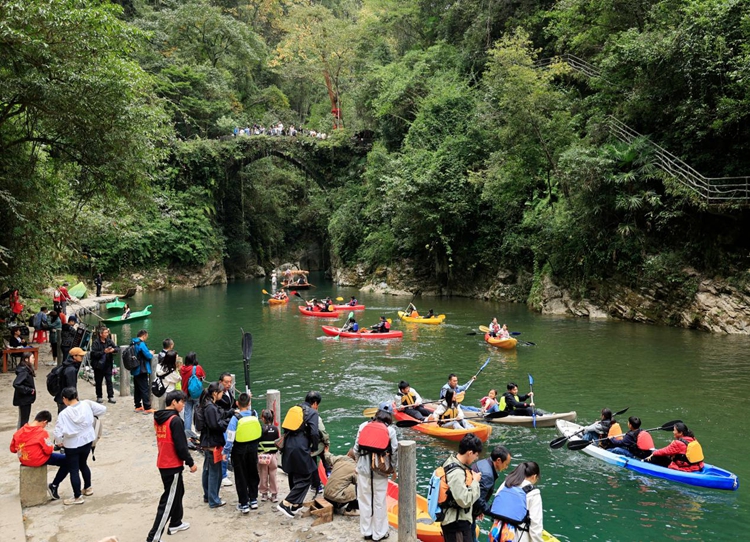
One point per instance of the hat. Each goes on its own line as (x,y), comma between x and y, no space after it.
(386,406)
(77,351)
(72,318)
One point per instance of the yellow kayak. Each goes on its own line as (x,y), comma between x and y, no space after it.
(419,320)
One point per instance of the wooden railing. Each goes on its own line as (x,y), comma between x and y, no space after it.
(713,190)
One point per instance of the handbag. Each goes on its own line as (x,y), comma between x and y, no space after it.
(279,443)
(218,455)
(381,463)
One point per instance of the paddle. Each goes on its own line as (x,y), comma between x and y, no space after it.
(341,329)
(476,375)
(247,352)
(559,442)
(527,343)
(339,299)
(533,409)
(484,329)
(581,444)
(412,423)
(265,292)
(85,310)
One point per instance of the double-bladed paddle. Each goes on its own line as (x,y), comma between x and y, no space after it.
(581,444)
(533,408)
(559,442)
(247,352)
(341,329)
(412,423)
(463,393)
(371,411)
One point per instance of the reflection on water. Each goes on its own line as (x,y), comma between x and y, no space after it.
(660,373)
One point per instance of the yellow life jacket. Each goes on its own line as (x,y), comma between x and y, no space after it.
(408,398)
(449,413)
(294,419)
(694,452)
(248,429)
(502,405)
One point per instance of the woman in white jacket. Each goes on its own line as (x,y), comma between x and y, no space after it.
(74,430)
(521,483)
(168,371)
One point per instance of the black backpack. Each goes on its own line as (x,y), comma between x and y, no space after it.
(130,358)
(54,380)
(199,414)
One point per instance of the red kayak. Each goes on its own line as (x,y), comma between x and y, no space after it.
(349,307)
(364,334)
(320,314)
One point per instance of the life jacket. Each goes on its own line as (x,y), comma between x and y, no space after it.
(606,424)
(57,296)
(439,496)
(645,441)
(167,457)
(294,419)
(509,505)
(615,431)
(503,405)
(248,429)
(374,438)
(450,413)
(408,398)
(387,326)
(693,454)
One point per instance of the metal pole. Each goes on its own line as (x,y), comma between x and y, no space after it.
(407,491)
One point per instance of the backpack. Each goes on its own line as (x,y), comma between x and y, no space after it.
(130,358)
(199,415)
(374,439)
(157,386)
(439,497)
(248,428)
(294,419)
(54,380)
(194,385)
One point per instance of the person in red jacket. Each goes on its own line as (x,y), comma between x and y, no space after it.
(675,456)
(34,448)
(186,371)
(172,456)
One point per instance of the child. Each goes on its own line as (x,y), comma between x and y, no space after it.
(489,402)
(267,464)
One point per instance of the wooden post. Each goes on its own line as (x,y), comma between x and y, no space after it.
(407,491)
(273,403)
(124,376)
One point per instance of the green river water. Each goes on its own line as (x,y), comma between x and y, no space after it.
(660,373)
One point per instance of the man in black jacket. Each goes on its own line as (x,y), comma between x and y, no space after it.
(69,376)
(296,459)
(489,467)
(173,454)
(516,404)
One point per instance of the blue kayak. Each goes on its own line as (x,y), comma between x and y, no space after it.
(710,476)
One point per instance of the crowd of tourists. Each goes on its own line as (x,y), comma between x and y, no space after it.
(277,129)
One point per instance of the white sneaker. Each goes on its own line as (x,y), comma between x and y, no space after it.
(181,527)
(227,481)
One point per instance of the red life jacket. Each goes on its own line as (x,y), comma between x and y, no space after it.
(374,438)
(167,458)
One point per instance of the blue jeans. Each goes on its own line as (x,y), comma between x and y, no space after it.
(493,408)
(58,460)
(188,412)
(211,479)
(619,450)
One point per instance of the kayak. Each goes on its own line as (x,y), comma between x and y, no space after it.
(364,334)
(710,476)
(79,290)
(543,419)
(500,343)
(319,314)
(427,530)
(419,320)
(274,301)
(480,430)
(116,304)
(349,307)
(294,286)
(145,313)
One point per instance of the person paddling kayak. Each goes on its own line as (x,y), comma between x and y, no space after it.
(683,453)
(514,404)
(411,401)
(452,384)
(381,327)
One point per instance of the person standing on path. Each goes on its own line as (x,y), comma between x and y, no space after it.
(186,371)
(173,454)
(69,376)
(74,430)
(24,390)
(296,459)
(464,487)
(212,441)
(68,336)
(98,283)
(64,298)
(142,393)
(243,434)
(267,464)
(372,484)
(489,468)
(226,403)
(103,349)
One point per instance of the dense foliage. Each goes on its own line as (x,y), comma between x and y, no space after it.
(459,138)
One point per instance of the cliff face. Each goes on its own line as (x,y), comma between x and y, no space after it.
(697,302)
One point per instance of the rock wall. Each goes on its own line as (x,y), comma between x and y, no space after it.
(159,278)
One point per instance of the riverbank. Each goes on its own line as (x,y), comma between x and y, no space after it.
(127,487)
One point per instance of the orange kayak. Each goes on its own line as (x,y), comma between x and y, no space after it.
(482,431)
(500,343)
(274,301)
(427,530)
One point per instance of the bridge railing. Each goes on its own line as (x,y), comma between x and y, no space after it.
(713,190)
